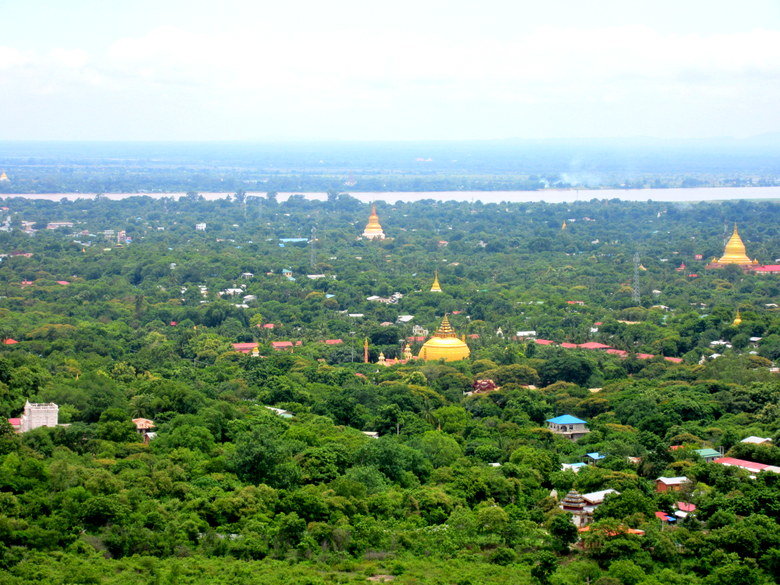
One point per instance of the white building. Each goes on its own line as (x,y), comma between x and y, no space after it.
(201,227)
(753,440)
(38,415)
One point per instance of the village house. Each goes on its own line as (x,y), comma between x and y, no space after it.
(569,426)
(670,484)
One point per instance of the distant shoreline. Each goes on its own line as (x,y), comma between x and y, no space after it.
(672,195)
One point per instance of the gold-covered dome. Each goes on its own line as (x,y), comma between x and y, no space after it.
(737,320)
(436,287)
(735,252)
(444,345)
(373,229)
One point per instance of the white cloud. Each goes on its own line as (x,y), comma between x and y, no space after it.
(11,57)
(358,75)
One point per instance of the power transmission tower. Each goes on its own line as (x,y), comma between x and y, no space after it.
(635,296)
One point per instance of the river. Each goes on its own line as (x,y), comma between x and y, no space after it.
(548,195)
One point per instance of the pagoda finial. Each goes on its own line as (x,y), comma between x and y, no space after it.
(436,287)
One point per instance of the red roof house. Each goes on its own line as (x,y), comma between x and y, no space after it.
(544,342)
(244,347)
(333,341)
(282,344)
(593,345)
(749,465)
(9,341)
(618,352)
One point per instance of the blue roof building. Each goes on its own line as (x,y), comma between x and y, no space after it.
(568,426)
(566,419)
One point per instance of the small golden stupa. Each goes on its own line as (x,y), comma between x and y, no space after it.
(737,320)
(4,177)
(563,225)
(735,251)
(407,352)
(444,345)
(436,287)
(373,229)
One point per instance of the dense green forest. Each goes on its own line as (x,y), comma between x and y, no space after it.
(459,487)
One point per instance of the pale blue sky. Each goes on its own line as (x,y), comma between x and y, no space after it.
(345,70)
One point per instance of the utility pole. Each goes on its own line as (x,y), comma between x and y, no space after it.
(635,296)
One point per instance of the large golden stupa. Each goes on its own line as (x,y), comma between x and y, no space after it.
(373,229)
(735,252)
(444,345)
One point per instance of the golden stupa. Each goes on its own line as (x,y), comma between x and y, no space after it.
(737,320)
(444,345)
(735,251)
(563,225)
(4,177)
(436,287)
(373,229)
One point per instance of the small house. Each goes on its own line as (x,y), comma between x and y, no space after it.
(670,484)
(709,455)
(568,426)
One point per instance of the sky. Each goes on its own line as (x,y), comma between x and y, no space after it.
(404,70)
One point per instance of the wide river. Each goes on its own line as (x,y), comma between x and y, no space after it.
(549,195)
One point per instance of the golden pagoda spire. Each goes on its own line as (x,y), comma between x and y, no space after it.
(737,320)
(365,350)
(4,177)
(445,329)
(408,352)
(373,229)
(436,287)
(563,225)
(735,252)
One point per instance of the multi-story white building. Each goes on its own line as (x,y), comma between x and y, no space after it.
(38,415)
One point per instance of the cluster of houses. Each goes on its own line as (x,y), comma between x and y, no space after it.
(596,346)
(582,506)
(252,347)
